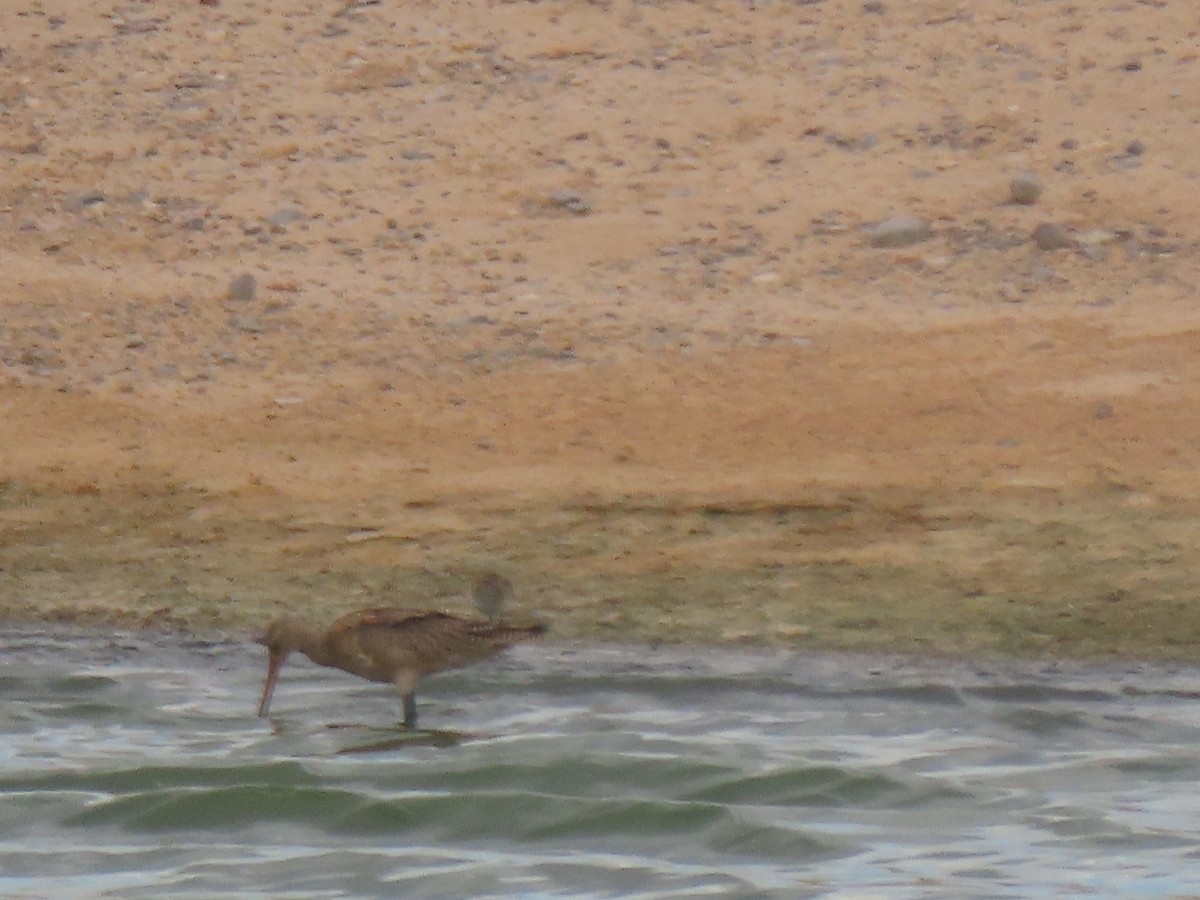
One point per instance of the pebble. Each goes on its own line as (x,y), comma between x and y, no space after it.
(1097,236)
(900,231)
(243,288)
(1025,188)
(47,224)
(862,142)
(248,324)
(571,201)
(1009,292)
(790,631)
(143,25)
(282,218)
(1052,236)
(88,199)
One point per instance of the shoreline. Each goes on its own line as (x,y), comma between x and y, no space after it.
(1086,572)
(820,327)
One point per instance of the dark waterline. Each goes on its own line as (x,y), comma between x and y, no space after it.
(134,766)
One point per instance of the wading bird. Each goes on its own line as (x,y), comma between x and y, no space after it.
(397,646)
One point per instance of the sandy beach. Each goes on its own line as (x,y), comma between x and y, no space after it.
(823,324)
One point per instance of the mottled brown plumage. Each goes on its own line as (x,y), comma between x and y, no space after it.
(391,645)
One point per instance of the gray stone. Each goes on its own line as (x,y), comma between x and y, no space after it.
(243,288)
(282,218)
(248,324)
(85,200)
(571,201)
(1098,236)
(900,231)
(1025,188)
(1052,236)
(1009,292)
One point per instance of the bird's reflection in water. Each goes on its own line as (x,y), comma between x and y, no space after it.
(405,739)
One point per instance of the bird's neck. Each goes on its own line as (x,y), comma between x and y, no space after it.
(310,640)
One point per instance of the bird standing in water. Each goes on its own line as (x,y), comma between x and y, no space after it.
(396,645)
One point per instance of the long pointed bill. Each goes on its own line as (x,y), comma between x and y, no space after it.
(274,664)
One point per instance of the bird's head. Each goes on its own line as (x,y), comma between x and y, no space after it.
(278,641)
(278,635)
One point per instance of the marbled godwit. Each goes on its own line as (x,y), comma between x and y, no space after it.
(397,646)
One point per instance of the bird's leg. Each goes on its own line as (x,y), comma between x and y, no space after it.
(410,710)
(406,684)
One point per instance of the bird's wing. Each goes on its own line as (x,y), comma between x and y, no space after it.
(365,641)
(381,617)
(387,640)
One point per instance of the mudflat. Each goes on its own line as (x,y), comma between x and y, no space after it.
(828,324)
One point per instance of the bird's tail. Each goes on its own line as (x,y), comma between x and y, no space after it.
(506,633)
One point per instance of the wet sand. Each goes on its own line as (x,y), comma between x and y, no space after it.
(595,295)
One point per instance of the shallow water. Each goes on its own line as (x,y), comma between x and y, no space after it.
(134,767)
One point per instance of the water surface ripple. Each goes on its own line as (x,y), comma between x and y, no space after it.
(134,767)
